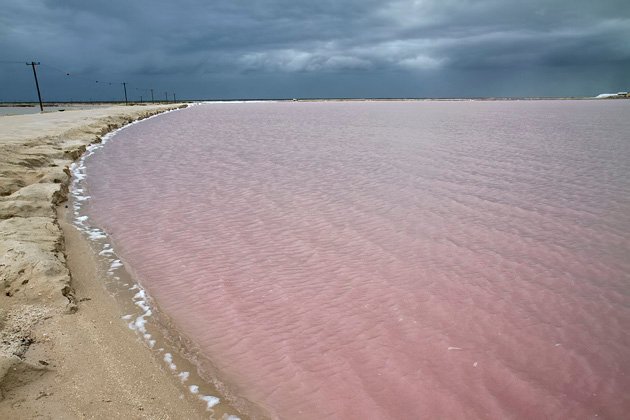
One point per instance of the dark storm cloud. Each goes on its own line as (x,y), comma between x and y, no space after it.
(279,48)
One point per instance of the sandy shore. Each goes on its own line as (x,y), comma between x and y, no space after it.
(64,351)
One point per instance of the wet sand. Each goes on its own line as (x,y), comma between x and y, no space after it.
(65,352)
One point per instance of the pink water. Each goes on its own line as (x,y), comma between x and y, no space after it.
(383,260)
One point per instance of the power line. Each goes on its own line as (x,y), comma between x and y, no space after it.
(100,82)
(91,80)
(79,76)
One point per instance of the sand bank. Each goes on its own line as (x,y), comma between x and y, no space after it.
(64,352)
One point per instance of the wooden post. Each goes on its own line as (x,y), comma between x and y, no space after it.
(125,87)
(39,95)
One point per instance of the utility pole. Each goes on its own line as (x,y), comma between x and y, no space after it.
(140,98)
(152,100)
(173,96)
(166,96)
(39,95)
(125,87)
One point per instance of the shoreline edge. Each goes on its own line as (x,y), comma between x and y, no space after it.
(60,349)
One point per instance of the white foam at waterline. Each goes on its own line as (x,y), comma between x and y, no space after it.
(210,401)
(79,173)
(168,358)
(95,234)
(143,305)
(139,324)
(237,102)
(140,295)
(92,147)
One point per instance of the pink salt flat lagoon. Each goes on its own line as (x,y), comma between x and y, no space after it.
(387,260)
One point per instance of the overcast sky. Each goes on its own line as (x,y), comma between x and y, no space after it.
(325,48)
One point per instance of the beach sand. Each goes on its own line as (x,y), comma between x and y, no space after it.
(64,350)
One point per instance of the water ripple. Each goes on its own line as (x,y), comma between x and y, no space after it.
(387,260)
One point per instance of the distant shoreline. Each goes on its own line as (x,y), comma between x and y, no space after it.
(498,98)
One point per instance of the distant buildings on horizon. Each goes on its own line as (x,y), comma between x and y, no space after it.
(618,95)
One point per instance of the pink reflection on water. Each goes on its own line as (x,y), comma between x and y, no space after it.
(387,260)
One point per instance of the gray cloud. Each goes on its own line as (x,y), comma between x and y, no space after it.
(282,48)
